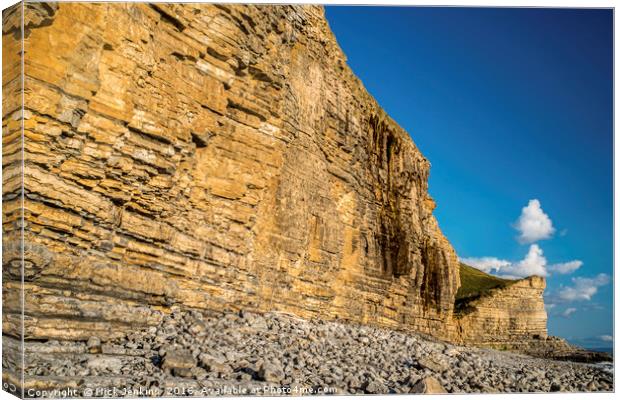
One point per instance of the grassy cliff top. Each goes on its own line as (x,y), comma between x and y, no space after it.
(475,284)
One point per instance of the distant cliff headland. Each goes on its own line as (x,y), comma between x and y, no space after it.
(219,159)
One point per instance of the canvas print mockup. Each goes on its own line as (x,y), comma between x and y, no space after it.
(237,199)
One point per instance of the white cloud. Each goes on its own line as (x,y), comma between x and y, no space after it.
(549,306)
(486,264)
(534,263)
(533,224)
(582,289)
(568,312)
(566,268)
(606,338)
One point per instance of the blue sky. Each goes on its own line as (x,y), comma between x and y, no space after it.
(513,108)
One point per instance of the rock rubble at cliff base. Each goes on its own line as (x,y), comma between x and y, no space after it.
(247,353)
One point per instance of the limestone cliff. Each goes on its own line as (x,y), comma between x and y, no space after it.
(508,317)
(216,157)
(12,212)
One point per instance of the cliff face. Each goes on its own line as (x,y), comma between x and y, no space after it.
(511,317)
(215,157)
(12,348)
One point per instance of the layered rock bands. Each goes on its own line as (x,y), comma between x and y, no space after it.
(218,157)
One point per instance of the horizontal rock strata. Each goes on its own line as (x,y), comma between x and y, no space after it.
(12,212)
(214,157)
(217,157)
(508,318)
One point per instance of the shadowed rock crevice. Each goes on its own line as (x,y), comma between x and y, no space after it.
(433,261)
(168,17)
(36,15)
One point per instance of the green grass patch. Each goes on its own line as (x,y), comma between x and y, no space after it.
(475,284)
